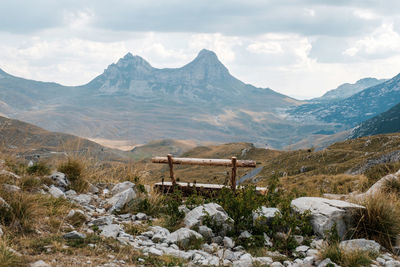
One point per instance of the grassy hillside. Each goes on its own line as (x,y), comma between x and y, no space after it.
(341,168)
(27,139)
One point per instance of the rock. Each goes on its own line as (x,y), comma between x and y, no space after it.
(276,264)
(267,241)
(183,208)
(118,201)
(93,189)
(40,263)
(360,244)
(327,212)
(228,242)
(392,263)
(182,237)
(265,215)
(11,174)
(56,192)
(301,250)
(70,193)
(196,216)
(217,239)
(379,185)
(245,235)
(317,243)
(81,199)
(308,260)
(327,263)
(1,232)
(74,235)
(299,239)
(60,180)
(155,251)
(263,260)
(118,188)
(104,220)
(111,230)
(11,188)
(206,232)
(242,263)
(141,216)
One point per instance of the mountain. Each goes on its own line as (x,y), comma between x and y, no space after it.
(348,89)
(386,122)
(353,110)
(28,140)
(136,102)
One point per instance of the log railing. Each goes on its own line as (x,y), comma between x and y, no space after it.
(233,162)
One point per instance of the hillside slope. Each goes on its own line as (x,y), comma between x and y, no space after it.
(27,139)
(386,122)
(355,109)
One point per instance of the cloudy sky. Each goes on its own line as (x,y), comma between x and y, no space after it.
(301,48)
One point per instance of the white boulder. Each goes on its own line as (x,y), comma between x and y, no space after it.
(325,213)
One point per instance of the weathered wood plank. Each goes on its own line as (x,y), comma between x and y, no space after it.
(206,162)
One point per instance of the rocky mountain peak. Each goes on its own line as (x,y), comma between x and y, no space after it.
(130,61)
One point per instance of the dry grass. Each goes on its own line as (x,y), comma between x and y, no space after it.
(379,220)
(353,258)
(9,258)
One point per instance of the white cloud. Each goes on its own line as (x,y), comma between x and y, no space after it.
(383,42)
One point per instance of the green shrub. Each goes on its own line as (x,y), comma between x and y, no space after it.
(379,220)
(73,169)
(38,168)
(172,203)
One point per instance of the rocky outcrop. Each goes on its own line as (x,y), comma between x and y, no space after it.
(325,213)
(118,201)
(217,214)
(182,237)
(360,244)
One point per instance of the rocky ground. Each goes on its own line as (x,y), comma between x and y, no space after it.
(99,214)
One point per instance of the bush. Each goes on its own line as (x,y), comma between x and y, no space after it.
(8,258)
(73,169)
(38,168)
(21,214)
(392,186)
(171,209)
(353,258)
(32,183)
(379,220)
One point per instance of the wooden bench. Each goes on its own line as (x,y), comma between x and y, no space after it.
(234,163)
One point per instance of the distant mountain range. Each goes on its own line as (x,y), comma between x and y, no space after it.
(387,122)
(348,89)
(355,109)
(201,101)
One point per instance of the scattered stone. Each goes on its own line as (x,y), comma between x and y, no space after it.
(82,199)
(141,216)
(206,232)
(184,209)
(263,260)
(228,242)
(216,212)
(40,263)
(118,188)
(118,201)
(299,239)
(11,188)
(74,235)
(267,241)
(60,180)
(392,263)
(111,230)
(276,264)
(104,220)
(245,235)
(182,237)
(327,263)
(155,251)
(327,212)
(56,192)
(360,244)
(7,173)
(93,189)
(264,215)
